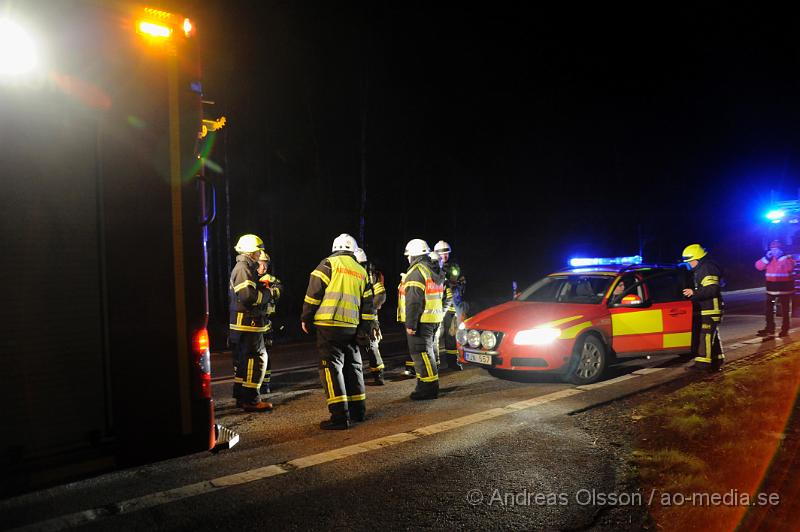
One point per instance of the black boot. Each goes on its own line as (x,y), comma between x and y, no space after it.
(425,391)
(766,332)
(335,423)
(358,413)
(379,379)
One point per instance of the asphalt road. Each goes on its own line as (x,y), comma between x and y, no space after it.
(489,453)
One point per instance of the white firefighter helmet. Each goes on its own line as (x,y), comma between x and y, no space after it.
(263,257)
(416,247)
(361,256)
(442,247)
(248,244)
(344,242)
(435,257)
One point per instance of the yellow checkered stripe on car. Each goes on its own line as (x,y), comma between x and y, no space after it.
(648,322)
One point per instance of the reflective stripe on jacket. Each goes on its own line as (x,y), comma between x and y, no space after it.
(420,296)
(246,297)
(779,274)
(338,294)
(707,289)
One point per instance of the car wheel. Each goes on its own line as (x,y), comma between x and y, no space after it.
(588,361)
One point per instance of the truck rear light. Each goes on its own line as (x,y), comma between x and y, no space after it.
(200,346)
(151,29)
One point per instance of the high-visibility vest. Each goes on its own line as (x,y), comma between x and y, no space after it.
(401,299)
(341,302)
(433,312)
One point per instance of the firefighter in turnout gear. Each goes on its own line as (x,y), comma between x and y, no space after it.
(247,325)
(401,318)
(437,339)
(420,308)
(339,304)
(369,344)
(454,286)
(778,270)
(707,296)
(273,286)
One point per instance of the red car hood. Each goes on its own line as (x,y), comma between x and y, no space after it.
(519,315)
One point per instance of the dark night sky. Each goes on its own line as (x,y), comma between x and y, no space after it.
(521,134)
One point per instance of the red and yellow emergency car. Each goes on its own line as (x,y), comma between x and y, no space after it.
(576,321)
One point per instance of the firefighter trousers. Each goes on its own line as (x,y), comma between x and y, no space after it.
(420,346)
(448,332)
(769,311)
(340,372)
(250,365)
(370,349)
(709,348)
(264,389)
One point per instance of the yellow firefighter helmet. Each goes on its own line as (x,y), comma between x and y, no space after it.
(249,244)
(694,252)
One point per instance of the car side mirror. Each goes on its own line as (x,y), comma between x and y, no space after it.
(630,301)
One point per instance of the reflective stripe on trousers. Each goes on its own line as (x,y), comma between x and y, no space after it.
(340,372)
(422,353)
(709,348)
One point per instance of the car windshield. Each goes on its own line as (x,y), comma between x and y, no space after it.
(568,289)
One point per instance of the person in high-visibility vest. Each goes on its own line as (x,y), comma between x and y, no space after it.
(408,371)
(707,295)
(778,271)
(273,286)
(247,325)
(369,344)
(453,293)
(420,309)
(338,303)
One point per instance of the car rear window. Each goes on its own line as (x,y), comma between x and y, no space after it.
(568,289)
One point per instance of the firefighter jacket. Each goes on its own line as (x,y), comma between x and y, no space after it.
(247,297)
(378,289)
(420,294)
(338,294)
(448,304)
(274,287)
(779,274)
(707,289)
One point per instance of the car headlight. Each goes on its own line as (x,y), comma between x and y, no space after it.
(461,335)
(474,338)
(488,340)
(541,336)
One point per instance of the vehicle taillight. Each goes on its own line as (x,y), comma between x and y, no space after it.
(200,346)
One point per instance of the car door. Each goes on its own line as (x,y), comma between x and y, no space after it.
(665,291)
(652,316)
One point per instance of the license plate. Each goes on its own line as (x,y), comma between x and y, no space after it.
(478,358)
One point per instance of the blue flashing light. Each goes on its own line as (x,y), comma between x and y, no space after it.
(776,221)
(776,215)
(604,261)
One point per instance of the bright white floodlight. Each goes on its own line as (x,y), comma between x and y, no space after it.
(17,49)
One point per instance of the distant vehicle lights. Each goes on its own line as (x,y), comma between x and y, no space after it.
(604,261)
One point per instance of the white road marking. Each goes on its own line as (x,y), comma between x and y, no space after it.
(608,382)
(753,341)
(536,401)
(647,371)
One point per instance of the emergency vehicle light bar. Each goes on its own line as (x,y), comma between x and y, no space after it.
(605,261)
(160,24)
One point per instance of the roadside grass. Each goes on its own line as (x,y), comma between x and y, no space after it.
(714,436)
